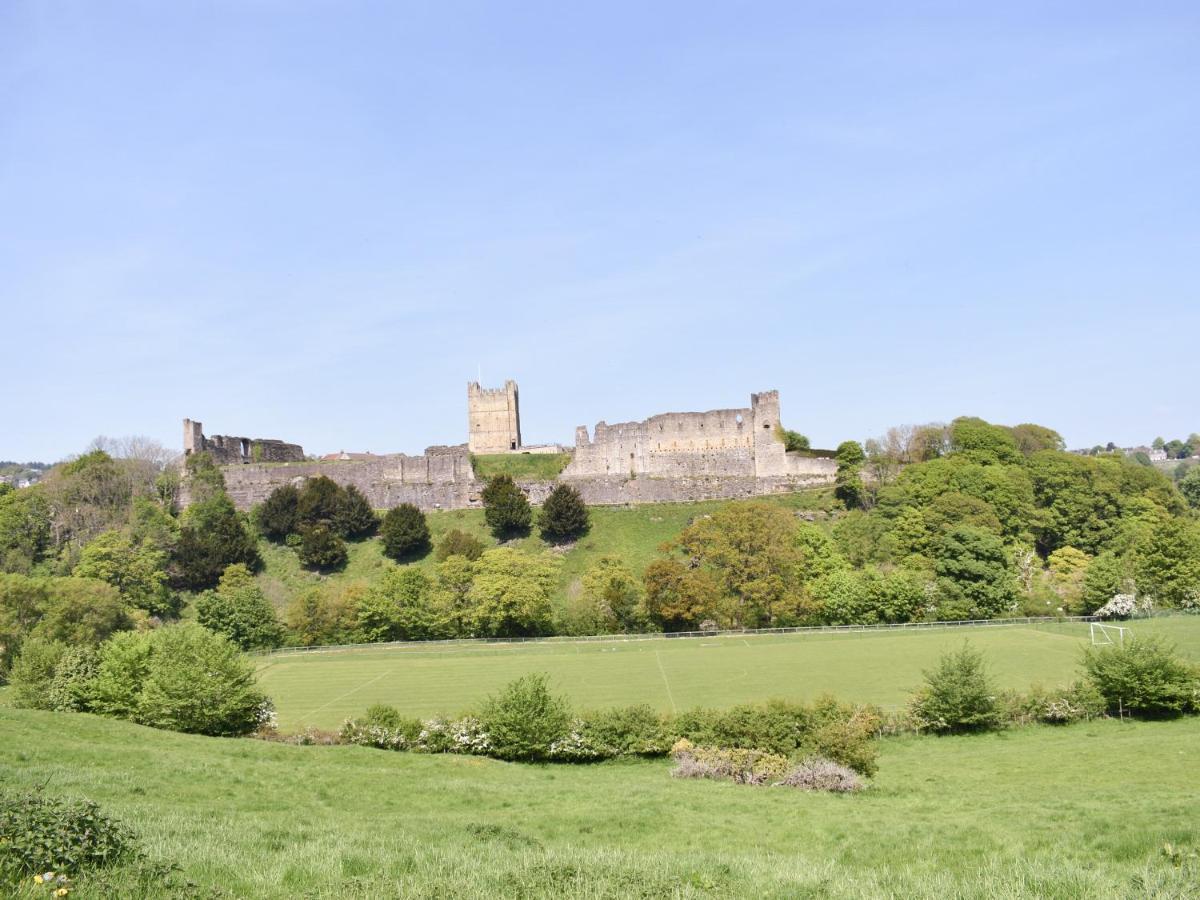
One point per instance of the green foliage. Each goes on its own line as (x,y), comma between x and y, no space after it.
(973,573)
(1167,563)
(24,529)
(397,608)
(70,690)
(319,503)
(636,730)
(355,519)
(752,552)
(137,570)
(323,615)
(211,539)
(510,593)
(238,610)
(279,514)
(322,548)
(1031,438)
(848,485)
(204,474)
(869,596)
(959,695)
(609,600)
(405,532)
(1145,677)
(1189,486)
(506,508)
(564,515)
(459,543)
(525,719)
(792,440)
(983,441)
(1106,576)
(40,833)
(181,678)
(679,598)
(32,672)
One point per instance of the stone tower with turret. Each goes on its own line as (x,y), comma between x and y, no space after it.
(493,418)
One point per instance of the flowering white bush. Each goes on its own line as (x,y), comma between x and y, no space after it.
(577,745)
(465,735)
(1121,606)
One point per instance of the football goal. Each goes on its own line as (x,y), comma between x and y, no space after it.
(1103,633)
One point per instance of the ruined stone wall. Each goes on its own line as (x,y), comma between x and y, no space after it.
(493,418)
(232,450)
(674,457)
(718,443)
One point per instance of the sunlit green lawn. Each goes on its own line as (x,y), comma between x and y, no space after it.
(1079,812)
(324,688)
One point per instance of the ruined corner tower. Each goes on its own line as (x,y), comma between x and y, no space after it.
(493,418)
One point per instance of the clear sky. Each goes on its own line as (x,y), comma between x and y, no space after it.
(318,220)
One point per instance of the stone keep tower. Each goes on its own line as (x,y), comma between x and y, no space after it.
(493,418)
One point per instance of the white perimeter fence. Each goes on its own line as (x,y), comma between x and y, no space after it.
(683,635)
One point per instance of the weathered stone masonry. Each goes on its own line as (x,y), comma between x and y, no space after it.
(674,457)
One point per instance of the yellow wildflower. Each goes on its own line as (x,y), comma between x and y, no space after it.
(62,892)
(37,879)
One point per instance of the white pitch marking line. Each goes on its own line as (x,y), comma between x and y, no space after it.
(663,671)
(312,712)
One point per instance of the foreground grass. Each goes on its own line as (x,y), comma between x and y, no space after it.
(324,688)
(633,534)
(1073,812)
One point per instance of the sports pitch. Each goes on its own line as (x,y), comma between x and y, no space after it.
(323,688)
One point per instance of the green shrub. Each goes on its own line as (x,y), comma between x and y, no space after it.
(505,507)
(211,538)
(71,688)
(322,549)
(33,671)
(564,515)
(278,516)
(383,727)
(405,532)
(354,519)
(845,734)
(777,726)
(1144,677)
(525,719)
(319,502)
(182,678)
(239,610)
(47,834)
(958,695)
(1058,706)
(628,731)
(459,543)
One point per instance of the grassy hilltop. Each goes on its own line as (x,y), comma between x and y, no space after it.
(1079,811)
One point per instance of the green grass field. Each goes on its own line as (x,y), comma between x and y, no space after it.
(1076,812)
(520,466)
(632,534)
(324,688)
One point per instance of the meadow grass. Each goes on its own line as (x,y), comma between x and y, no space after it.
(520,466)
(324,688)
(1073,812)
(632,534)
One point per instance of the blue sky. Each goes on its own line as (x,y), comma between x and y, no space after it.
(318,221)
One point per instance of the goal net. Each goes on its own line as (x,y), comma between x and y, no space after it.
(1103,633)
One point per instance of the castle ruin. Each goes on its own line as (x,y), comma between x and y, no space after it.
(493,418)
(672,457)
